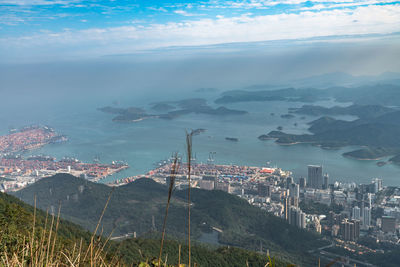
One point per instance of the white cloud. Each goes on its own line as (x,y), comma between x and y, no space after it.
(332,5)
(184,13)
(158,9)
(37,2)
(318,4)
(10,19)
(361,20)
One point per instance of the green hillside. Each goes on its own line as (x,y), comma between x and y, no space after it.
(16,224)
(133,206)
(135,250)
(380,135)
(362,111)
(16,221)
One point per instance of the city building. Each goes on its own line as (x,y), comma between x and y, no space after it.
(388,224)
(377,185)
(294,190)
(297,217)
(264,190)
(302,182)
(223,187)
(289,181)
(314,176)
(350,230)
(356,213)
(206,184)
(286,206)
(326,181)
(367,217)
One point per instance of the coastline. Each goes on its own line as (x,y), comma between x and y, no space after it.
(359,158)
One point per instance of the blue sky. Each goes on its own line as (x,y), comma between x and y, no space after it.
(33,28)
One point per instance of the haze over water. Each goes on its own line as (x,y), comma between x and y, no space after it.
(93,134)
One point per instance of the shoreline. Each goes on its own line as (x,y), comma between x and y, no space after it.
(366,159)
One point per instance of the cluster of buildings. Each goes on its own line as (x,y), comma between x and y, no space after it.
(350,211)
(17,172)
(28,138)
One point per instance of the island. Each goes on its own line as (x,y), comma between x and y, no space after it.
(206,90)
(381,163)
(197,106)
(395,159)
(264,137)
(232,139)
(131,114)
(162,107)
(169,110)
(287,116)
(369,153)
(361,111)
(378,94)
(378,136)
(285,94)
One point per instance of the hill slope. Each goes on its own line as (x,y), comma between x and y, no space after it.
(133,206)
(16,224)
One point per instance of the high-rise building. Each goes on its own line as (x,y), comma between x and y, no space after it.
(369,199)
(314,176)
(286,205)
(377,185)
(302,182)
(294,201)
(356,213)
(297,217)
(367,217)
(350,229)
(294,190)
(326,181)
(289,181)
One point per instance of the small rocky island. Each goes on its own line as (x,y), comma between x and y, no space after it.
(131,114)
(170,110)
(232,139)
(287,116)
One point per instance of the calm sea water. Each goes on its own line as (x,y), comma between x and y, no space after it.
(93,134)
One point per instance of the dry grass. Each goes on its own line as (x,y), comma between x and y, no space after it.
(174,171)
(189,165)
(43,249)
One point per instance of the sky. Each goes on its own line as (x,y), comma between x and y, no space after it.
(42,30)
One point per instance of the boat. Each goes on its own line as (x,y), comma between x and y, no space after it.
(41,158)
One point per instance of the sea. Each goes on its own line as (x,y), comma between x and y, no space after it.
(92,134)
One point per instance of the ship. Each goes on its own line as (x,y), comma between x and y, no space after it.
(119,163)
(41,158)
(58,139)
(70,160)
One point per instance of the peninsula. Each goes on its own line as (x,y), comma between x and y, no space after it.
(29,138)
